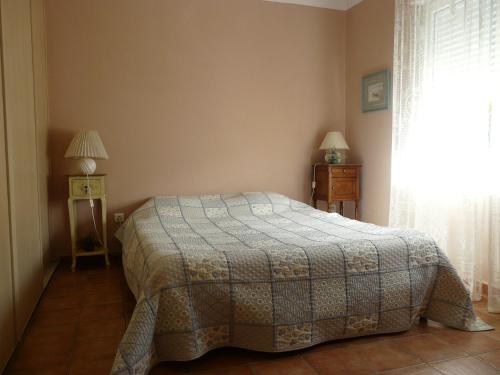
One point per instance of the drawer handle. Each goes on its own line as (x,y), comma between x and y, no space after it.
(345,171)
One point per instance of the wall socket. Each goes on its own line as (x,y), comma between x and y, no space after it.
(119,217)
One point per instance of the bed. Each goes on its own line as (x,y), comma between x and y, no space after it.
(264,272)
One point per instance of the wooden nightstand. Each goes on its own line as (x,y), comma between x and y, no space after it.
(82,188)
(338,183)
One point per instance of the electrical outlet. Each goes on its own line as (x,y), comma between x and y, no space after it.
(119,217)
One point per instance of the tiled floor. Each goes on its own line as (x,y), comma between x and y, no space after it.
(82,317)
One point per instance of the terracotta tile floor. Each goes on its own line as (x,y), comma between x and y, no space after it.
(82,317)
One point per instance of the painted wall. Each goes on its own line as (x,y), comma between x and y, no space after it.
(370,36)
(192,96)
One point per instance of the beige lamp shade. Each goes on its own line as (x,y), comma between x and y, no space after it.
(86,144)
(334,140)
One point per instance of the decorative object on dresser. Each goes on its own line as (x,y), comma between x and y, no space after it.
(87,188)
(337,183)
(375,91)
(335,146)
(86,146)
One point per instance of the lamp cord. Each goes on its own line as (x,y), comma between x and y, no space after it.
(91,201)
(313,184)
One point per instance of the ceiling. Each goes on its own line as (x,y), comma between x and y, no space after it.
(330,4)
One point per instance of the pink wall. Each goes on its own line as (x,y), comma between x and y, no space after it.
(370,36)
(192,96)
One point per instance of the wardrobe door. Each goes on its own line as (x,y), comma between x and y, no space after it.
(7,334)
(39,38)
(21,158)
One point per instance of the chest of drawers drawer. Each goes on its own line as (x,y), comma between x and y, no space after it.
(80,187)
(344,172)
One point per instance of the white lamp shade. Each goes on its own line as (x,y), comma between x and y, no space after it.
(334,140)
(86,144)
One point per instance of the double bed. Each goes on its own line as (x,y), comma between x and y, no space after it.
(264,272)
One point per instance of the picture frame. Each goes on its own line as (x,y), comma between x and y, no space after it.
(375,91)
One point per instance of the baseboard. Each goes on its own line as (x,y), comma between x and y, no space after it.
(50,272)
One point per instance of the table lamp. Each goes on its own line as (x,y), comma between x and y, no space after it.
(335,146)
(86,146)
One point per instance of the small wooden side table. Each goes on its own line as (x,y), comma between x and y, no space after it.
(338,183)
(86,188)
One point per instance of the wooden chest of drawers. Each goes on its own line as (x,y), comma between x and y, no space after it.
(338,183)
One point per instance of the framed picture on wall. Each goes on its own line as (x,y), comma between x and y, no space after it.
(375,91)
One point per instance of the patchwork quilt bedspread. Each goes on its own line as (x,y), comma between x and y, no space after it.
(264,272)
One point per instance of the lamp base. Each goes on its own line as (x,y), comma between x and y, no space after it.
(341,156)
(87,165)
(335,157)
(330,156)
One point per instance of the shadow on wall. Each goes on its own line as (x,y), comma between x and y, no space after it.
(113,242)
(58,140)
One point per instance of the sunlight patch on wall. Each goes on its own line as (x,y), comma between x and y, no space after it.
(330,4)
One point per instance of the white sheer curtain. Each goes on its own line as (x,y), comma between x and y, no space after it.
(446,132)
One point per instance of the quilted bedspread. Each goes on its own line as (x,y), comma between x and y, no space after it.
(264,272)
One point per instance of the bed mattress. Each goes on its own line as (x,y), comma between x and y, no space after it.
(264,272)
